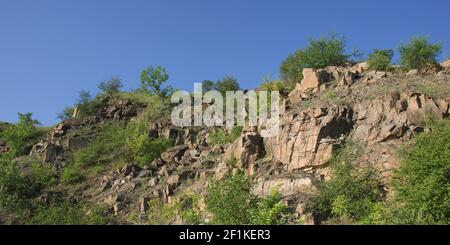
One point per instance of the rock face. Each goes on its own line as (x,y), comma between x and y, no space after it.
(309,138)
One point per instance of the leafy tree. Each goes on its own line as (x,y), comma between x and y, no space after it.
(110,86)
(419,53)
(422,183)
(227,84)
(152,79)
(320,53)
(380,60)
(20,135)
(208,85)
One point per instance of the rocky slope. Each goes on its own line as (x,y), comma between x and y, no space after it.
(379,110)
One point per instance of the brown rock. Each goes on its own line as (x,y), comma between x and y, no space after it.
(312,79)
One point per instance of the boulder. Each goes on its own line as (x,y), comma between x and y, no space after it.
(308,139)
(313,79)
(174,154)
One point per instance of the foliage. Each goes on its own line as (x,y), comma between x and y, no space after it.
(160,213)
(320,53)
(111,86)
(144,150)
(351,194)
(222,137)
(71,174)
(422,183)
(66,113)
(232,203)
(20,136)
(208,85)
(152,79)
(15,189)
(380,60)
(227,84)
(419,53)
(275,85)
(85,97)
(43,176)
(65,213)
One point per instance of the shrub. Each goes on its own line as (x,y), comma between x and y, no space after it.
(152,79)
(326,51)
(20,136)
(71,174)
(221,137)
(43,175)
(232,203)
(111,86)
(143,150)
(421,184)
(351,194)
(66,113)
(16,190)
(419,53)
(380,60)
(227,84)
(85,97)
(208,85)
(275,85)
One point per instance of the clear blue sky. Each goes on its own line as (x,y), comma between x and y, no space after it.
(50,49)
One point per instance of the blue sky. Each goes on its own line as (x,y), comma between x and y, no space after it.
(50,49)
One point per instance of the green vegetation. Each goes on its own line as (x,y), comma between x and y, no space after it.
(66,113)
(111,86)
(144,150)
(419,53)
(222,137)
(351,194)
(152,79)
(232,203)
(275,85)
(326,51)
(422,184)
(380,60)
(227,84)
(65,213)
(20,136)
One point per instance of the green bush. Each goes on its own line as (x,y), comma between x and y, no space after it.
(422,183)
(72,174)
(380,60)
(20,136)
(351,194)
(232,203)
(419,53)
(326,51)
(43,175)
(66,113)
(16,190)
(275,85)
(144,150)
(221,137)
(227,84)
(111,86)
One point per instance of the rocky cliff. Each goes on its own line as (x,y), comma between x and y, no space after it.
(379,110)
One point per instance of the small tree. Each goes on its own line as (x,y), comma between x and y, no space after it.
(111,86)
(84,97)
(419,53)
(66,113)
(326,51)
(19,135)
(208,85)
(227,84)
(380,60)
(152,79)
